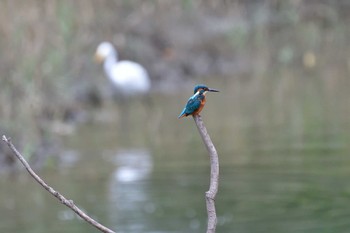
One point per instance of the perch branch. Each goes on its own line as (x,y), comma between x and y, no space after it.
(214,174)
(69,203)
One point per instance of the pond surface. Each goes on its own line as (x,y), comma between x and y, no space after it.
(284,166)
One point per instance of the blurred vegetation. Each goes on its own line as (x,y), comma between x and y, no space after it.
(278,47)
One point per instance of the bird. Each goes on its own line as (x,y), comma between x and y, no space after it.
(196,102)
(127,77)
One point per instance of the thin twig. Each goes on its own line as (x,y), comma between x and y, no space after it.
(214,174)
(69,203)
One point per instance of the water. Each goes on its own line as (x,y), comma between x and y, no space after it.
(284,166)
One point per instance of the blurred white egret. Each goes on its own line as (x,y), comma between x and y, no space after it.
(128,77)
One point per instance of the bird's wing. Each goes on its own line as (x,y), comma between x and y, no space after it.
(192,105)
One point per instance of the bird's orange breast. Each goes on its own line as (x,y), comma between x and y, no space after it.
(200,107)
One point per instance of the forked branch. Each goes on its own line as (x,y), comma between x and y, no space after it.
(69,203)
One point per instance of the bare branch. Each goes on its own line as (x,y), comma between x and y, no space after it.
(69,203)
(214,174)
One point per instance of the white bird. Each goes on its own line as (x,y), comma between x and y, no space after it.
(128,77)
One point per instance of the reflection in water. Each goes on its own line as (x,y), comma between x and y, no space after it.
(133,165)
(128,185)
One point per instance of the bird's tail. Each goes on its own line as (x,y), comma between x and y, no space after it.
(182,114)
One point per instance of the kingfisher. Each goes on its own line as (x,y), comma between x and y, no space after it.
(196,102)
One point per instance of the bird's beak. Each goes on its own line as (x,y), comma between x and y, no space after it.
(213,90)
(99,58)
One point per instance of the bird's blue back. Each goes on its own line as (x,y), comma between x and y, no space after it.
(193,103)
